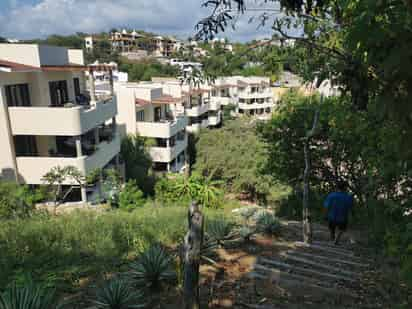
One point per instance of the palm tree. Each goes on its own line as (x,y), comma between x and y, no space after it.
(187,187)
(209,194)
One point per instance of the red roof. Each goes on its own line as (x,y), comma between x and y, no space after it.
(166,99)
(17,67)
(141,102)
(67,67)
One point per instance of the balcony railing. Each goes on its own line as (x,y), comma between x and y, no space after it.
(257,95)
(68,120)
(167,154)
(256,105)
(32,169)
(161,129)
(196,111)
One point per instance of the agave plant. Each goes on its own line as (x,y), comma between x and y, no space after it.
(117,294)
(268,223)
(29,296)
(219,230)
(152,267)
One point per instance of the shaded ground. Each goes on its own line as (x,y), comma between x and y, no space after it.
(282,272)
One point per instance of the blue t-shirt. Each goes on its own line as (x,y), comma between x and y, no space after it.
(338,204)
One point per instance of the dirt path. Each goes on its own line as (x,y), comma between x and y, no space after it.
(285,273)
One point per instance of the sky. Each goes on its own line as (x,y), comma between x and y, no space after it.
(26,19)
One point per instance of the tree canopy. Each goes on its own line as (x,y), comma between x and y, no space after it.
(362,46)
(235,156)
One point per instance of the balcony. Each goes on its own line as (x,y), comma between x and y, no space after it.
(248,106)
(255,95)
(68,120)
(197,110)
(32,169)
(168,154)
(162,129)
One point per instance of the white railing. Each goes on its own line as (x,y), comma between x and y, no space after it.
(196,111)
(167,154)
(57,121)
(256,105)
(32,169)
(255,95)
(165,129)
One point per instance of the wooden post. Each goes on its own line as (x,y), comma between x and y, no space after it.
(307,224)
(191,254)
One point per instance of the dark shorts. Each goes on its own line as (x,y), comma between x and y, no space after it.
(340,225)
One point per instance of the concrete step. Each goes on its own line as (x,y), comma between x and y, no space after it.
(303,270)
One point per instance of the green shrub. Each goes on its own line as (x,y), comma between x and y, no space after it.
(131,197)
(17,201)
(117,294)
(183,189)
(79,244)
(152,267)
(64,249)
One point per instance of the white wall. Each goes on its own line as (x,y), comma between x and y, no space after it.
(76,56)
(37,55)
(7,162)
(27,54)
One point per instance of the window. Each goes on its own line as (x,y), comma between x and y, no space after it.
(25,145)
(140,116)
(18,95)
(157,114)
(58,93)
(76,83)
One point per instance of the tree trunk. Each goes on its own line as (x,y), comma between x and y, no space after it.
(191,252)
(307,224)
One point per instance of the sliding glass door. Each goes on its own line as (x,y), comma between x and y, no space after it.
(58,93)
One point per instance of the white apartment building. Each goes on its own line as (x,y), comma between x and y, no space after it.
(125,41)
(47,119)
(250,95)
(196,104)
(128,42)
(145,110)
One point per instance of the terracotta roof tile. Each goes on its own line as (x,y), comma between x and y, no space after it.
(166,99)
(141,102)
